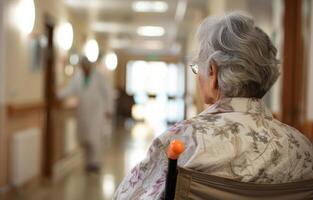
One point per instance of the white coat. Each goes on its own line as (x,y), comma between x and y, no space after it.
(91,109)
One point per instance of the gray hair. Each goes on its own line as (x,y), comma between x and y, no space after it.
(244,54)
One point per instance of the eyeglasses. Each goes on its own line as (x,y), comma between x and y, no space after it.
(194,68)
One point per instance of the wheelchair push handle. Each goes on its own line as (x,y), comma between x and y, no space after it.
(176,148)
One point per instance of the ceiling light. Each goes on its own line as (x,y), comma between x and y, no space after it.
(110,27)
(64,36)
(111,61)
(92,50)
(151,31)
(24,15)
(150,6)
(69,70)
(74,59)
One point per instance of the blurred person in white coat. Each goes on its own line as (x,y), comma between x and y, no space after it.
(89,86)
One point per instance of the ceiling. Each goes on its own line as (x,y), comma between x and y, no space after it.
(117,20)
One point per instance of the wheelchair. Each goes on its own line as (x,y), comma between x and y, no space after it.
(186,184)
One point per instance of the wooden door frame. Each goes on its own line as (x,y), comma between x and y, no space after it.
(295,68)
(293,77)
(49,79)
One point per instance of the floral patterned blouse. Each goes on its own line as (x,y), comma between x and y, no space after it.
(235,138)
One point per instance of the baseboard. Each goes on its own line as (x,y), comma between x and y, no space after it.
(68,164)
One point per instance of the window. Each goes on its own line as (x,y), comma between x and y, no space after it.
(158,90)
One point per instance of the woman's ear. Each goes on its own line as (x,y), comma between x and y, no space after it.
(213,75)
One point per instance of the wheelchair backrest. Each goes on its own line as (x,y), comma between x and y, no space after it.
(194,185)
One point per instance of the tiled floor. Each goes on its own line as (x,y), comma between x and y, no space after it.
(123,150)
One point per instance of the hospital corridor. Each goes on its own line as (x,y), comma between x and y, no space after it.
(156,99)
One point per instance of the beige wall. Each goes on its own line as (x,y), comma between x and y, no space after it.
(22,87)
(192,87)
(3,143)
(2,69)
(23,84)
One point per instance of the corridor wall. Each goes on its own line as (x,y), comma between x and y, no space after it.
(21,85)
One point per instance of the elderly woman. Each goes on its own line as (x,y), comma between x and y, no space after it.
(236,137)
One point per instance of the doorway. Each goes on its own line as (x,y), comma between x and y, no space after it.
(158,90)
